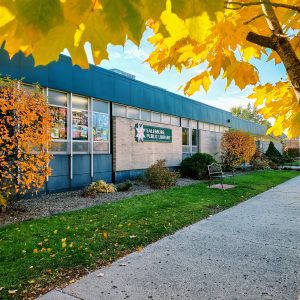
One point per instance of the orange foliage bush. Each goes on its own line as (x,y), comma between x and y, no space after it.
(25,127)
(237,147)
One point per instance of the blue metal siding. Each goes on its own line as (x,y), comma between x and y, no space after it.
(100,83)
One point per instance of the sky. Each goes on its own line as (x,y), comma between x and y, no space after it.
(130,59)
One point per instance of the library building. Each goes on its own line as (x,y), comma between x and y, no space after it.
(108,125)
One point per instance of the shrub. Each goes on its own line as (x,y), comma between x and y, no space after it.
(25,133)
(3,203)
(237,147)
(97,187)
(273,154)
(158,176)
(292,152)
(124,186)
(196,165)
(260,163)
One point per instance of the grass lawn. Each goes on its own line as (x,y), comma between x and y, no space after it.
(40,254)
(295,163)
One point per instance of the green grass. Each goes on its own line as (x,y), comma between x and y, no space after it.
(295,163)
(130,223)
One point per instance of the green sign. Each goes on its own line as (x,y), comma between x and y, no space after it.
(145,133)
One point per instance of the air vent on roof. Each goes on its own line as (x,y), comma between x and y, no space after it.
(123,73)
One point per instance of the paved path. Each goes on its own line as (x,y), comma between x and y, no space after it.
(250,251)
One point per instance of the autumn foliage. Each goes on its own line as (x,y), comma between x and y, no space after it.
(237,147)
(25,125)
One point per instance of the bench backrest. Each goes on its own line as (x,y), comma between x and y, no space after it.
(214,168)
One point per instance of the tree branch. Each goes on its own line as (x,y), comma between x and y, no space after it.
(254,18)
(260,40)
(239,5)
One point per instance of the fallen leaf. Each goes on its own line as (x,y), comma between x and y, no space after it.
(139,248)
(40,244)
(100,275)
(35,250)
(72,281)
(132,236)
(32,281)
(122,265)
(12,291)
(105,235)
(23,251)
(55,231)
(1,288)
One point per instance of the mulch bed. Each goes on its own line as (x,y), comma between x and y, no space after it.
(51,204)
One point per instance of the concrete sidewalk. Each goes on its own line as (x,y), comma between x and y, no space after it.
(250,251)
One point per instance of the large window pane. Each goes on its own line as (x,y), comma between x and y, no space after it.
(79,102)
(119,110)
(58,146)
(175,121)
(166,119)
(145,115)
(57,98)
(156,117)
(100,106)
(102,147)
(80,125)
(80,147)
(133,113)
(100,127)
(59,123)
(194,137)
(185,136)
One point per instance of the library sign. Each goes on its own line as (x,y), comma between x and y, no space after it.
(145,133)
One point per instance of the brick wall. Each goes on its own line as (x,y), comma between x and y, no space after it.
(131,155)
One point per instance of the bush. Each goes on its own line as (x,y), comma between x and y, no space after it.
(260,163)
(124,186)
(158,176)
(292,152)
(273,154)
(3,203)
(237,147)
(99,186)
(196,165)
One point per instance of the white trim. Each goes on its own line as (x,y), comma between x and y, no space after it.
(91,136)
(70,121)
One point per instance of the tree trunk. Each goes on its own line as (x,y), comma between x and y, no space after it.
(279,43)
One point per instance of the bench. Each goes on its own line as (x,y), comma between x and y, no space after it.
(215,172)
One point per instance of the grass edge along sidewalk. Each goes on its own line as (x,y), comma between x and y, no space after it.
(41,254)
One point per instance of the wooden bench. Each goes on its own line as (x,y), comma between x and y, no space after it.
(215,172)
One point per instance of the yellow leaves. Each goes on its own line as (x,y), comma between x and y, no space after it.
(242,73)
(278,102)
(64,243)
(32,281)
(250,52)
(5,16)
(105,235)
(195,83)
(35,250)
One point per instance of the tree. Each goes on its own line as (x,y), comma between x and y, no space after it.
(250,113)
(224,35)
(25,126)
(273,154)
(237,147)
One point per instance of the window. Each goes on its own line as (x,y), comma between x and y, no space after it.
(156,117)
(194,137)
(80,124)
(166,119)
(59,132)
(119,110)
(185,123)
(175,121)
(145,115)
(185,136)
(100,126)
(80,118)
(133,113)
